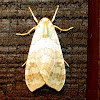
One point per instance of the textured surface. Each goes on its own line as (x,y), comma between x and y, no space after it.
(15,17)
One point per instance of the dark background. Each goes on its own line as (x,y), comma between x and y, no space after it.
(93,51)
(15,17)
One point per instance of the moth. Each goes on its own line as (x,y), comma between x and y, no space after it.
(45,62)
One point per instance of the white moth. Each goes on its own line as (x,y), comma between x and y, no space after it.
(45,63)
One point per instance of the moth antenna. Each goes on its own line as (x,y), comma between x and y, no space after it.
(33,15)
(55,13)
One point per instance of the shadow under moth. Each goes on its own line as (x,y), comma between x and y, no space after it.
(45,62)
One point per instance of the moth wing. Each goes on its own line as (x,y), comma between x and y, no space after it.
(33,77)
(57,75)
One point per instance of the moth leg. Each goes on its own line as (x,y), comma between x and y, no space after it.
(27,32)
(63,29)
(24,63)
(66,63)
(55,14)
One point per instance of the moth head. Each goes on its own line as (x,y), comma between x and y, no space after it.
(45,20)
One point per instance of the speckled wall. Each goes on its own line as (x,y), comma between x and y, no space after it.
(15,17)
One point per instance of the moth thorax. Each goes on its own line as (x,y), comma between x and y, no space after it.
(45,31)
